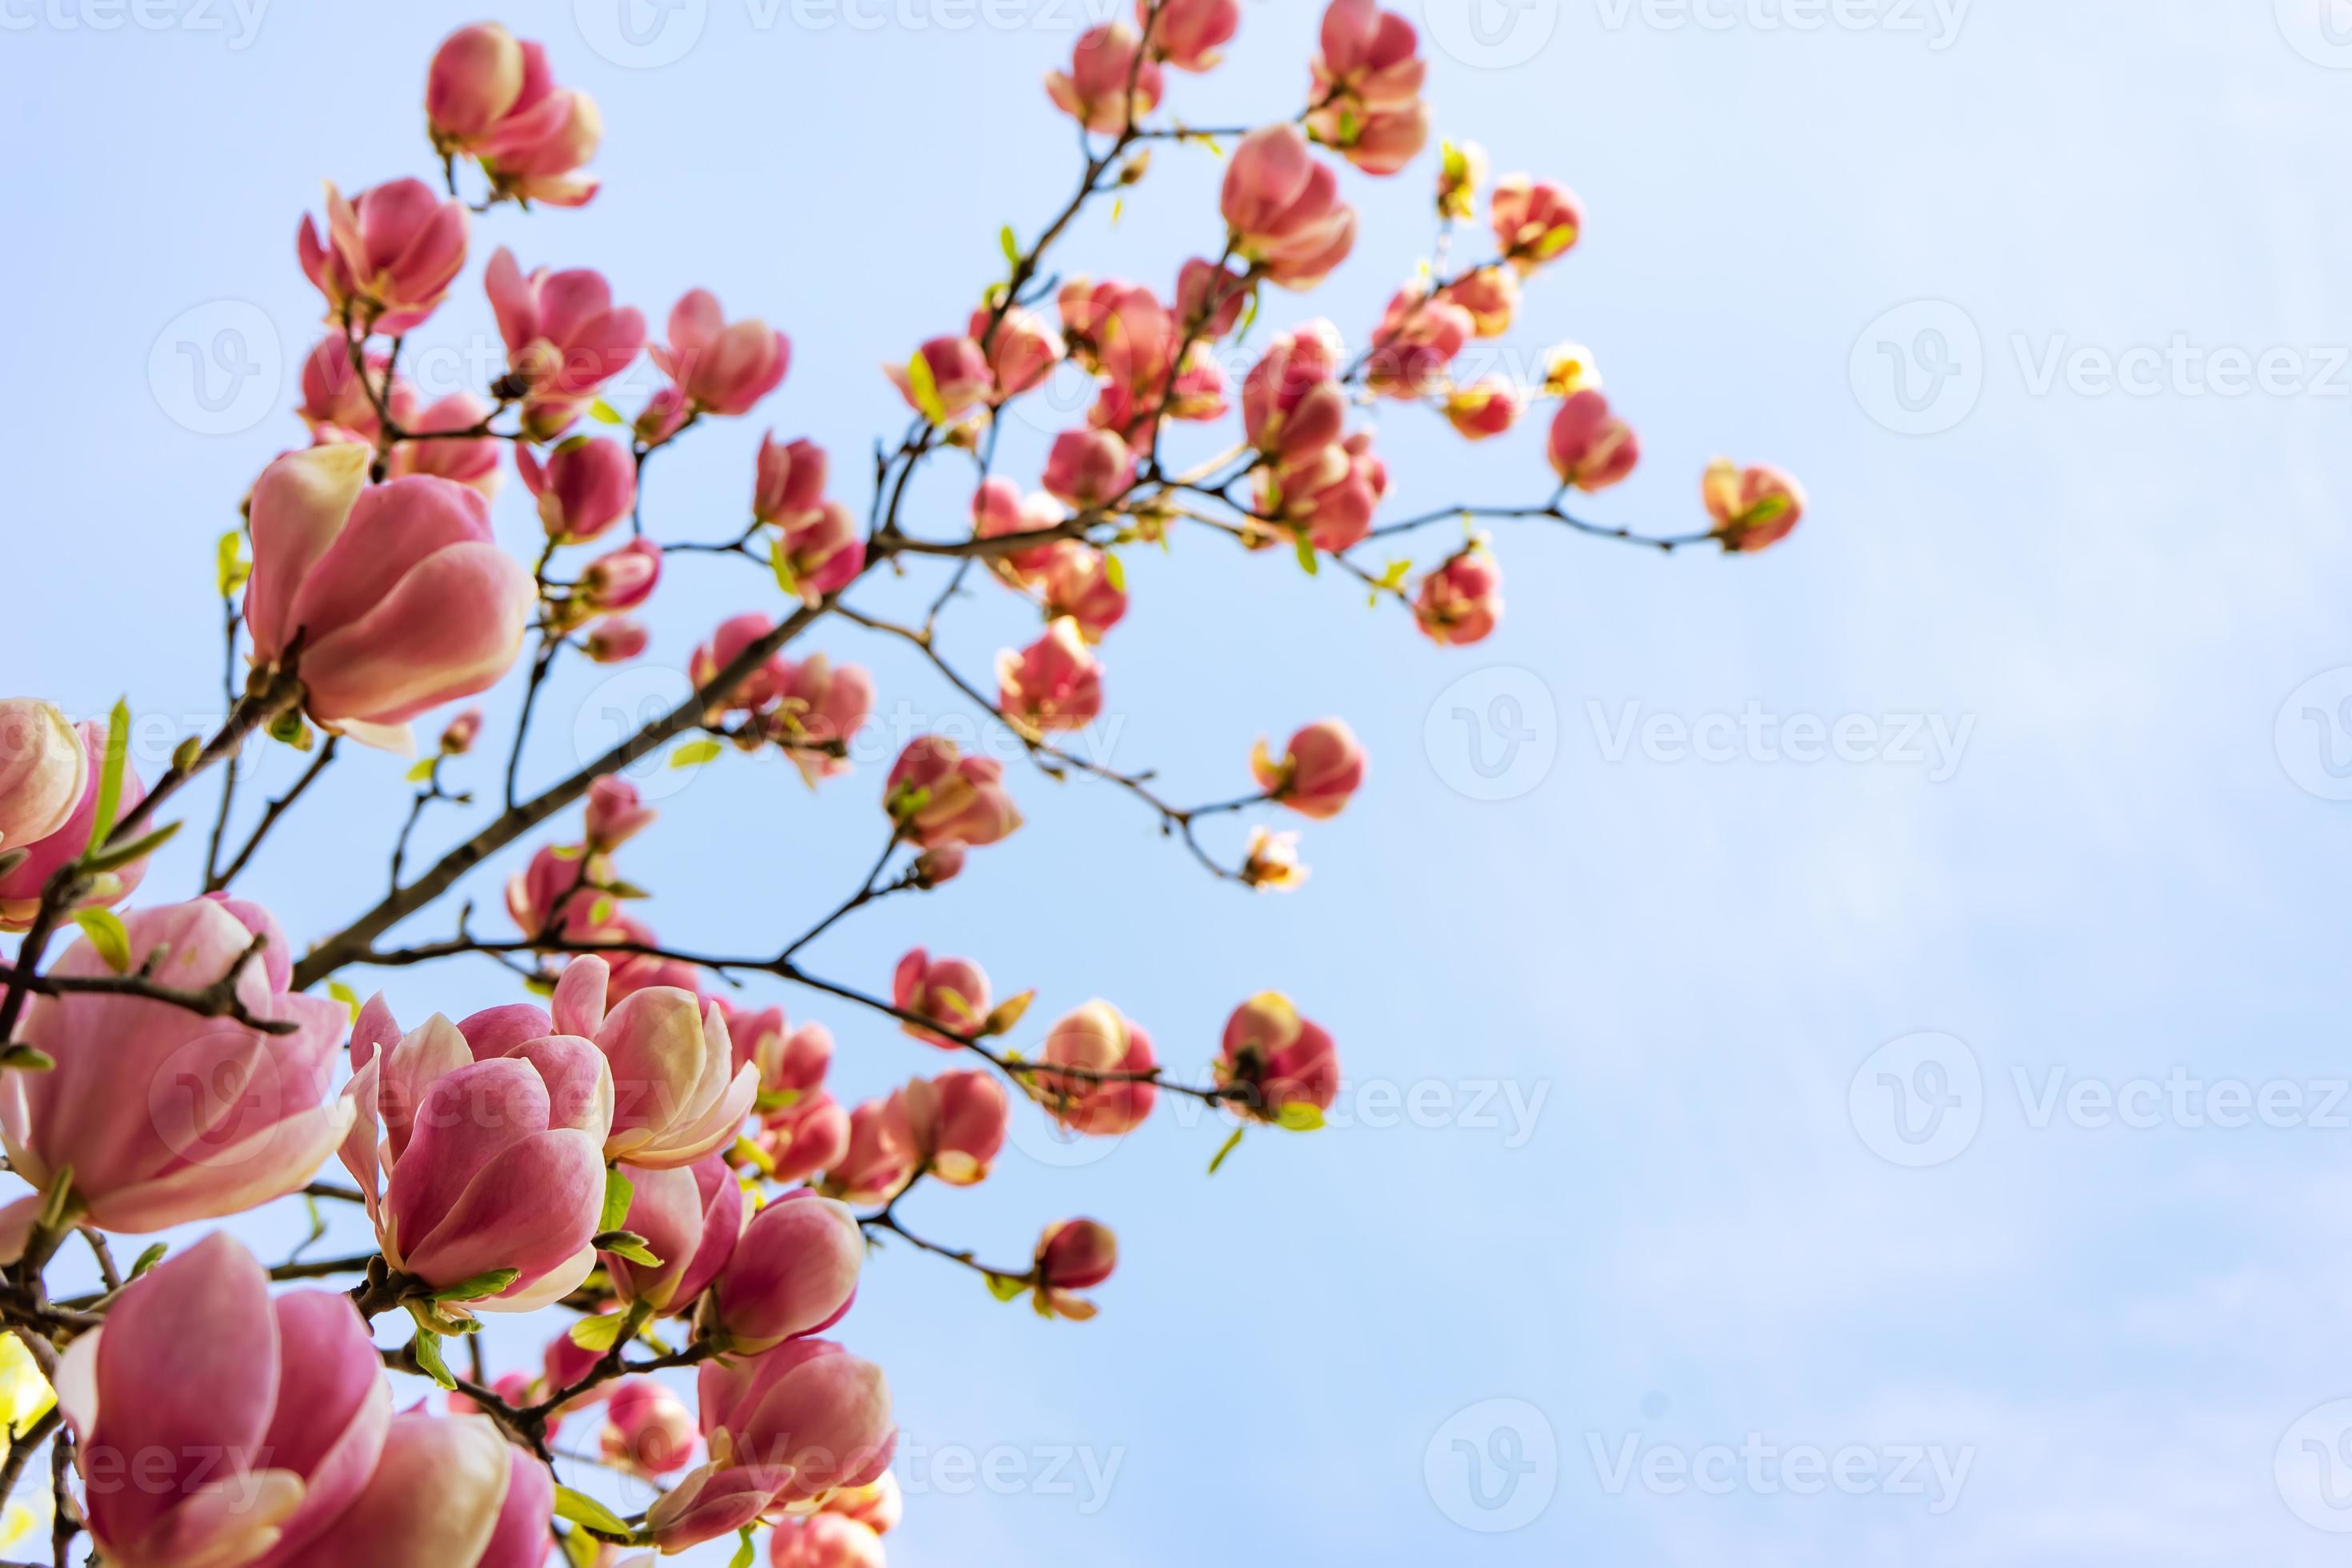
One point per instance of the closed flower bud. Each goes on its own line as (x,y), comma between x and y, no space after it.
(1055,683)
(1097,1039)
(1320,772)
(824,1541)
(28,742)
(1088,468)
(789,481)
(1191,33)
(1752,507)
(793,1273)
(959,373)
(939,797)
(825,550)
(458,735)
(951,992)
(534,150)
(875,1163)
(616,813)
(1461,602)
(1491,295)
(1277,1058)
(690,1219)
(1535,221)
(649,1431)
(1105,89)
(1416,339)
(1284,210)
(475,77)
(1021,350)
(824,706)
(955,1123)
(622,579)
(1484,408)
(586,485)
(615,639)
(721,367)
(1591,448)
(802,1139)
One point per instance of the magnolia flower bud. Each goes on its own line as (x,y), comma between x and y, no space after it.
(649,1431)
(1591,448)
(721,367)
(1105,89)
(1535,221)
(1753,508)
(953,991)
(1097,1039)
(564,339)
(388,255)
(954,1124)
(1320,772)
(586,485)
(1279,1060)
(1461,602)
(1055,683)
(793,1273)
(1283,208)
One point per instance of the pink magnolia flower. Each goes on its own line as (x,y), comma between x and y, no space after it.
(27,737)
(793,1274)
(825,551)
(1106,89)
(955,1123)
(677,1093)
(791,1063)
(622,579)
(959,374)
(825,1540)
(1318,775)
(1327,494)
(163,1115)
(1462,602)
(1591,448)
(586,485)
(938,795)
(336,406)
(784,1428)
(1055,683)
(824,706)
(1089,469)
(1085,584)
(564,339)
(394,598)
(1291,402)
(1022,351)
(562,890)
(1369,56)
(1491,295)
(471,461)
(1280,1058)
(476,77)
(1210,298)
(878,1159)
(497,98)
(649,1430)
(805,1138)
(286,1412)
(690,1218)
(1270,862)
(389,257)
(1416,339)
(1284,210)
(721,366)
(878,1505)
(1485,407)
(617,812)
(950,991)
(457,736)
(495,1163)
(998,511)
(790,483)
(756,692)
(490,1502)
(1073,1254)
(1535,221)
(615,640)
(1380,141)
(1752,507)
(1191,35)
(1096,1038)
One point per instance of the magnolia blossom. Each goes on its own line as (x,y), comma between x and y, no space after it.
(1461,602)
(791,1063)
(1291,402)
(1535,221)
(805,1138)
(28,740)
(951,992)
(1270,862)
(878,1505)
(956,370)
(285,1411)
(689,1218)
(878,1158)
(939,797)
(1752,507)
(677,1093)
(954,1124)
(1327,493)
(1318,774)
(1073,1254)
(824,550)
(565,338)
(1055,683)
(1416,339)
(586,485)
(721,366)
(159,1115)
(825,1540)
(389,257)
(337,406)
(649,1430)
(615,640)
(1591,448)
(1284,210)
(1485,407)
(622,579)
(472,461)
(823,707)
(616,813)
(1022,349)
(1097,1039)
(1569,368)
(495,1165)
(784,1428)
(790,481)
(490,1502)
(1106,89)
(761,687)
(385,600)
(565,884)
(1211,298)
(1089,469)
(795,1273)
(1086,584)
(1367,82)
(1000,510)
(495,98)
(1191,33)
(1278,1060)
(1491,295)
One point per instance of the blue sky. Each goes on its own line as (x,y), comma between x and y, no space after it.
(1656,1197)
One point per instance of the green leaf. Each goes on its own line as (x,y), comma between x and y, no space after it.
(780,560)
(422,769)
(1769,510)
(479,1287)
(1231,1143)
(776,1099)
(583,1510)
(26,1058)
(1005,1288)
(605,413)
(694,754)
(57,1201)
(106,932)
(1113,571)
(601,1332)
(581,1549)
(1298,1118)
(149,1258)
(744,1555)
(1305,554)
(627,1244)
(1008,242)
(925,390)
(139,848)
(347,997)
(1249,319)
(619,1193)
(110,783)
(426,1349)
(229,567)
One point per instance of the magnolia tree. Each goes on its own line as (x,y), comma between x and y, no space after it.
(653,1166)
